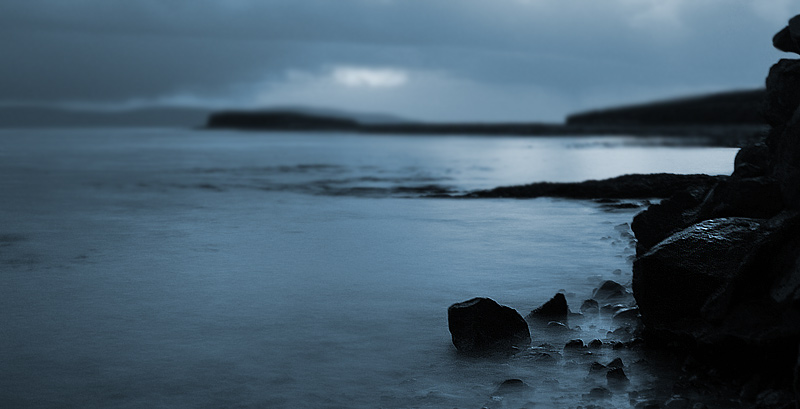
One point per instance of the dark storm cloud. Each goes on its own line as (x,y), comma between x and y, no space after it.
(497,54)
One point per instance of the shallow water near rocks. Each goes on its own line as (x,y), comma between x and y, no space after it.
(172,268)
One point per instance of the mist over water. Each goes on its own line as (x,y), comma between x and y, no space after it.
(169,268)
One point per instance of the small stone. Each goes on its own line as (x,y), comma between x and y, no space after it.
(616,375)
(612,309)
(595,343)
(610,290)
(616,363)
(554,310)
(574,344)
(590,307)
(597,367)
(599,393)
(511,386)
(618,345)
(556,326)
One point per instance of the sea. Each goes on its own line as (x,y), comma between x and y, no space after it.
(183,268)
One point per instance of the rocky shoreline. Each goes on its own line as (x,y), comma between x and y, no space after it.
(716,279)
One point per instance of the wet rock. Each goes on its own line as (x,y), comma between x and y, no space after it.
(670,216)
(796,385)
(752,160)
(599,393)
(611,309)
(597,367)
(786,161)
(650,404)
(627,315)
(595,343)
(616,363)
(610,291)
(574,344)
(481,326)
(756,197)
(621,187)
(556,326)
(554,310)
(511,386)
(544,358)
(788,39)
(590,307)
(616,375)
(775,399)
(618,345)
(675,279)
(677,402)
(782,99)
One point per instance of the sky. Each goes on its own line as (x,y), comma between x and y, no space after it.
(432,60)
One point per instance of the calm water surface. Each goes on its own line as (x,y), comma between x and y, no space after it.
(171,268)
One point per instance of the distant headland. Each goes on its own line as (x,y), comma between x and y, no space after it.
(725,119)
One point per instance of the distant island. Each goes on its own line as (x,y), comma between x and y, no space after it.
(723,119)
(726,119)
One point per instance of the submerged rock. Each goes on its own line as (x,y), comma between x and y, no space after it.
(511,386)
(599,393)
(590,307)
(610,291)
(554,310)
(574,344)
(480,326)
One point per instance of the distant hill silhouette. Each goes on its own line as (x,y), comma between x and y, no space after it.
(280,120)
(728,108)
(49,117)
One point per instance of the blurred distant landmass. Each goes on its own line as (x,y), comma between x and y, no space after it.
(729,119)
(732,108)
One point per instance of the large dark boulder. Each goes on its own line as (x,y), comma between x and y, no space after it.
(783,96)
(758,197)
(668,217)
(675,278)
(718,270)
(788,39)
(786,157)
(752,160)
(482,326)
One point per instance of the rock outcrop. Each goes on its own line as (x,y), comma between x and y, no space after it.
(481,326)
(718,269)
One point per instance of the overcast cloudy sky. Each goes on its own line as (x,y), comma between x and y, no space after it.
(423,59)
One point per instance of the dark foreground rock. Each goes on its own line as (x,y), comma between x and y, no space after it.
(717,273)
(482,326)
(637,186)
(554,310)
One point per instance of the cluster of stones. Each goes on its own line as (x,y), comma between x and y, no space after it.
(717,272)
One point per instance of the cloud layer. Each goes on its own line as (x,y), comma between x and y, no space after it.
(485,59)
